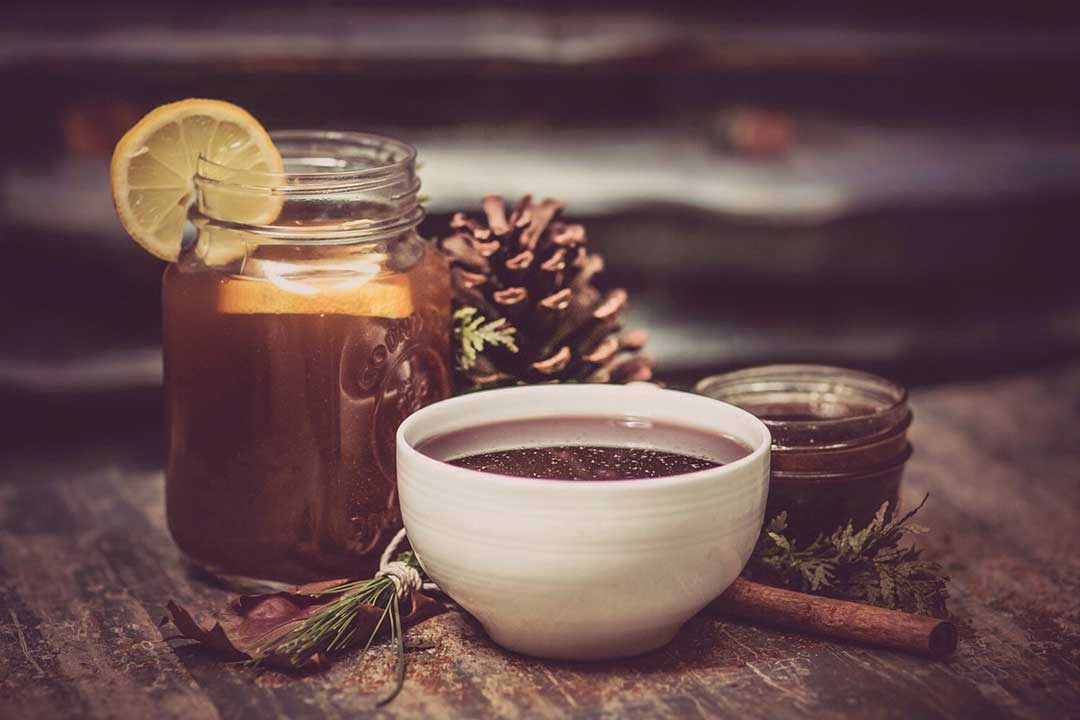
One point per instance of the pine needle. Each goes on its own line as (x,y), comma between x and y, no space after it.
(399,649)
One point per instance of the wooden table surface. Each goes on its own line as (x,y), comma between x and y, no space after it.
(86,566)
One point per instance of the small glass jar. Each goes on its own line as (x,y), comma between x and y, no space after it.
(295,342)
(839,440)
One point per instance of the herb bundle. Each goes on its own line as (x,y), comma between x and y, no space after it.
(333,627)
(299,629)
(868,566)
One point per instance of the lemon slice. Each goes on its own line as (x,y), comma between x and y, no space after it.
(154,165)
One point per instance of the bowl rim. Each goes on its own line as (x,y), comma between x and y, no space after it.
(754,457)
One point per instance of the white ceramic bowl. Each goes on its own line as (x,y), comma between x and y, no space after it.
(582,570)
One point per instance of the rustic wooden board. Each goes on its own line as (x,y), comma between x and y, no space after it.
(86,566)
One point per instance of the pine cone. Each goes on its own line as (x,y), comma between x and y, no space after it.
(531,271)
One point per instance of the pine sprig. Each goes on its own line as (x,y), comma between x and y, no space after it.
(868,566)
(333,627)
(474,332)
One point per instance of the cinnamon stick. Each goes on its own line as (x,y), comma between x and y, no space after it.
(839,619)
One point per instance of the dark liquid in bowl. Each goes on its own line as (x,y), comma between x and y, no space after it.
(597,449)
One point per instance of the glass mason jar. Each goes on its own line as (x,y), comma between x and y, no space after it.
(295,342)
(839,440)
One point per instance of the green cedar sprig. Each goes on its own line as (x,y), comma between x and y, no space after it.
(474,332)
(867,566)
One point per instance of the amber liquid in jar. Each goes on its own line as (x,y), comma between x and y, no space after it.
(281,418)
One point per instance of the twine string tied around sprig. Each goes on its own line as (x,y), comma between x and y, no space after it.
(405,577)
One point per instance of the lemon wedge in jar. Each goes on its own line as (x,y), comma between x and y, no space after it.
(154,165)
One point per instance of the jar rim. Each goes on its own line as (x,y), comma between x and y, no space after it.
(872,407)
(794,373)
(402,160)
(338,187)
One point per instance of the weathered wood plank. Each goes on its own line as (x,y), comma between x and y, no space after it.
(86,566)
(1002,464)
(94,635)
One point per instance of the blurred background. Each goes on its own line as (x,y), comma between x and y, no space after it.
(884,188)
